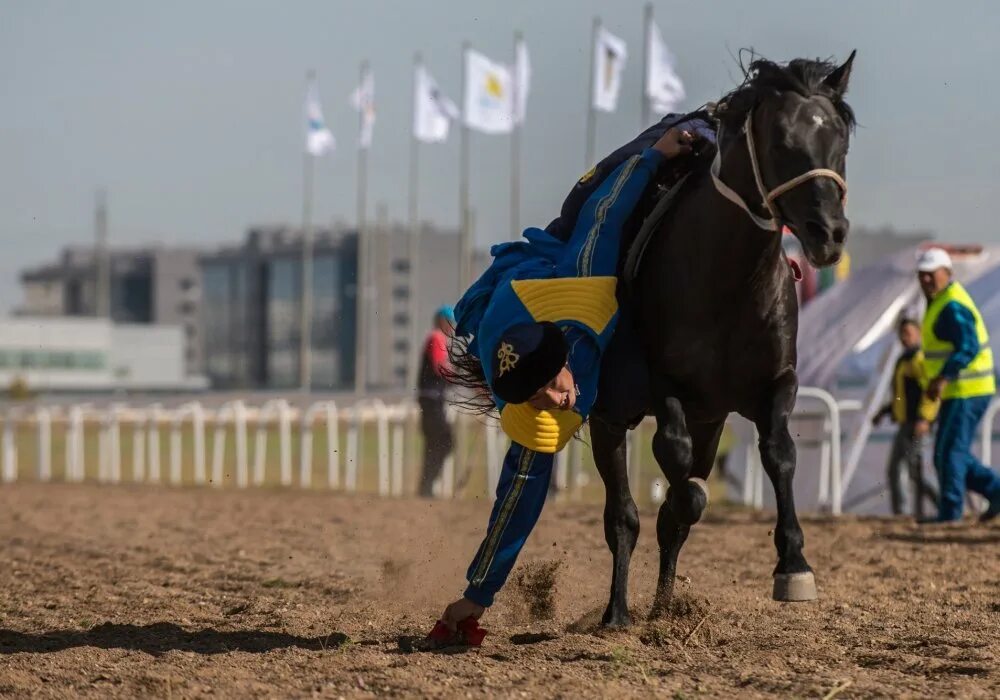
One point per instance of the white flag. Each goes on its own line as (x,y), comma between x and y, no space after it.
(609,62)
(319,139)
(664,88)
(433,112)
(489,97)
(522,81)
(363,100)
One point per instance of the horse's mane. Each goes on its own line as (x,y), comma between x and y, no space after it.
(762,77)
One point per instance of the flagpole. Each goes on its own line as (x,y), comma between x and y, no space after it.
(591,112)
(647,21)
(515,150)
(464,245)
(305,321)
(361,323)
(414,242)
(102,266)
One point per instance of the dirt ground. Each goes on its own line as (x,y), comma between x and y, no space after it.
(155,592)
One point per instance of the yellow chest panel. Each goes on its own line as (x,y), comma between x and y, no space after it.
(542,431)
(589,300)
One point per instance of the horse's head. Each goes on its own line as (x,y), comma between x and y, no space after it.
(800,130)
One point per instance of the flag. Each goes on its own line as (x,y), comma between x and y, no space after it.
(363,100)
(433,112)
(522,81)
(489,97)
(664,88)
(609,62)
(319,139)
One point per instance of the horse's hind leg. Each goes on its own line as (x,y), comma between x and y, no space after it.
(681,455)
(621,517)
(793,578)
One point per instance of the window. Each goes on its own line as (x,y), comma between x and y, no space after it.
(185,283)
(401,318)
(400,292)
(401,345)
(186,308)
(401,265)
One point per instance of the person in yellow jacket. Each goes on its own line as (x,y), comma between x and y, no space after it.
(959,362)
(908,406)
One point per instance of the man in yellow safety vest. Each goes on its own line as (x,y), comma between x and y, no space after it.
(959,363)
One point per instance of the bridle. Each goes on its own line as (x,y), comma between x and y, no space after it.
(767,196)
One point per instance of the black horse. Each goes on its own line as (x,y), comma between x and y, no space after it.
(717,312)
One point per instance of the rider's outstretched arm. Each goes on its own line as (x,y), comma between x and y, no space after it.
(593,247)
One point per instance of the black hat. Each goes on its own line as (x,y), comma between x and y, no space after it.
(528,356)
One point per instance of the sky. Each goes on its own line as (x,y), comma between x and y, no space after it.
(190,112)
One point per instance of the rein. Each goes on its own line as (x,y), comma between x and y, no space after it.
(767,196)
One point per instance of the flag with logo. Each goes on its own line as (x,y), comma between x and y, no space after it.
(489,97)
(363,100)
(609,62)
(433,112)
(319,139)
(522,81)
(664,88)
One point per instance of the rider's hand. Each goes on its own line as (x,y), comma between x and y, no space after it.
(459,610)
(675,143)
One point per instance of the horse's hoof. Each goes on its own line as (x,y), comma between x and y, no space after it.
(616,622)
(794,588)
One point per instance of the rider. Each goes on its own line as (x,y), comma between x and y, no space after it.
(535,325)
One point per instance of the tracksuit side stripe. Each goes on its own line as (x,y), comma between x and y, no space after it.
(503,518)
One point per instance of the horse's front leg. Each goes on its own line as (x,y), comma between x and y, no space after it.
(621,517)
(793,578)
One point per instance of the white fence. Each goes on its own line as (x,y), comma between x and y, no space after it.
(231,444)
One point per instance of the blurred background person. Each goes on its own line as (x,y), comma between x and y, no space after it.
(908,406)
(959,362)
(431,389)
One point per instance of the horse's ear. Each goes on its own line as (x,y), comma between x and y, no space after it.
(838,79)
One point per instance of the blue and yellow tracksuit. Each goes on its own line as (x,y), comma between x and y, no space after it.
(956,347)
(571,284)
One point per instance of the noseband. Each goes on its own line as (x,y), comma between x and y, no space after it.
(767,196)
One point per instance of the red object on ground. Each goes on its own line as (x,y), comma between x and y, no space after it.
(469,633)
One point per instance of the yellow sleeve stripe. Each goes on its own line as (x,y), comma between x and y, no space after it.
(589,300)
(541,431)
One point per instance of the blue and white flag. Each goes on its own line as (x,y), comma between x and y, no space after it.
(319,139)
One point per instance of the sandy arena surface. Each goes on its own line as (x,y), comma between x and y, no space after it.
(153,592)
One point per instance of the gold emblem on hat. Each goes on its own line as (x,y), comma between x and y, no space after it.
(508,358)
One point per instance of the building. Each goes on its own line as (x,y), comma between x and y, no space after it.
(49,354)
(251,306)
(147,286)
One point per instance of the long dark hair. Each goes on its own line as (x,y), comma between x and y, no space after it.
(466,372)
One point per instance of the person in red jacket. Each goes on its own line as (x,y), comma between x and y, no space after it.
(431,388)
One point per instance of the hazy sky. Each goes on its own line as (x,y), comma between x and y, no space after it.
(190,111)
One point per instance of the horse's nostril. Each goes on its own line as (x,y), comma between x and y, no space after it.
(827,231)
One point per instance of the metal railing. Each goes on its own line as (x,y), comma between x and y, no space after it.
(831,487)
(216,445)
